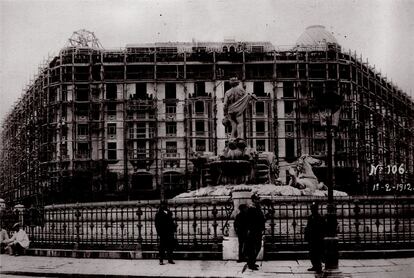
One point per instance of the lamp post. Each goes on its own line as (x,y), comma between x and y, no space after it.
(329,109)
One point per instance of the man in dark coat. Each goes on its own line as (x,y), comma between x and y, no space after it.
(256,226)
(314,234)
(240,226)
(165,226)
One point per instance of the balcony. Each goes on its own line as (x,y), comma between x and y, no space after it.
(142,154)
(83,156)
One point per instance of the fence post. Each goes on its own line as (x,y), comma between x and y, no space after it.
(357,223)
(138,248)
(215,224)
(77,229)
(20,210)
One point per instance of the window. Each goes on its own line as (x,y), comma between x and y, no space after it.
(82,109)
(171,147)
(199,126)
(64,93)
(171,129)
(171,108)
(260,127)
(141,148)
(170,91)
(82,93)
(110,91)
(141,91)
(288,107)
(260,107)
(64,111)
(318,146)
(111,109)
(131,133)
(289,126)
(111,129)
(141,130)
(199,107)
(288,90)
(112,151)
(83,150)
(200,145)
(258,89)
(82,129)
(260,145)
(199,89)
(290,148)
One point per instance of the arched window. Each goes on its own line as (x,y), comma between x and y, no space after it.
(225,49)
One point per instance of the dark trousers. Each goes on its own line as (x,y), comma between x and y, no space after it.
(17,249)
(316,255)
(3,248)
(253,245)
(166,246)
(242,243)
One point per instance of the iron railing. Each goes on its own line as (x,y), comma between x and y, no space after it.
(363,223)
(201,225)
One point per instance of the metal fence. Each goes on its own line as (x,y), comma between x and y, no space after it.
(363,223)
(201,225)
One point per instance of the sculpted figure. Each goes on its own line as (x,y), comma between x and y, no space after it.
(235,102)
(303,177)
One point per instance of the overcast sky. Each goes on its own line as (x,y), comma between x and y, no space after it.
(381,30)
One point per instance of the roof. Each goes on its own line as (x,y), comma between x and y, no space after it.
(315,35)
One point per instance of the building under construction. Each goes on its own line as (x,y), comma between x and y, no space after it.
(124,124)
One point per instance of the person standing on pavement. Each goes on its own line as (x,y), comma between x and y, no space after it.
(19,241)
(314,234)
(4,237)
(165,226)
(256,226)
(240,226)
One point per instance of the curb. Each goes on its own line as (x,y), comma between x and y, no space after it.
(200,255)
(80,275)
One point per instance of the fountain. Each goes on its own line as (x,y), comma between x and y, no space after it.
(240,171)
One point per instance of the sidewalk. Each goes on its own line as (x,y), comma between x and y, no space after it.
(72,267)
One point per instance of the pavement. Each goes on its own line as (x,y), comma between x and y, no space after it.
(35,266)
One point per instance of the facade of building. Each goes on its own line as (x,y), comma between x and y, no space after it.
(122,124)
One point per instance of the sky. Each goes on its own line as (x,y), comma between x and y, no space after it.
(382,31)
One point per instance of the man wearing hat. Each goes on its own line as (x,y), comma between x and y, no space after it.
(166,228)
(255,228)
(314,234)
(235,102)
(19,241)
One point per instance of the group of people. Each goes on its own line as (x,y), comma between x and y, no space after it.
(249,226)
(17,243)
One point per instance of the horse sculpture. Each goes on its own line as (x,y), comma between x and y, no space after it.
(303,177)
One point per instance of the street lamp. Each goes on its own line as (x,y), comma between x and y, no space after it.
(329,105)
